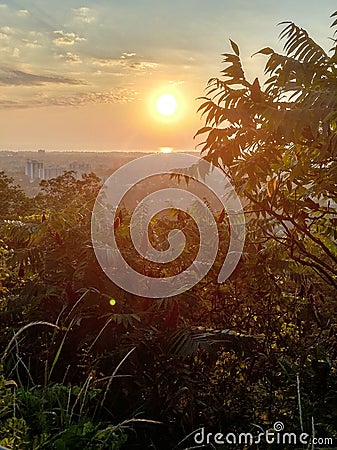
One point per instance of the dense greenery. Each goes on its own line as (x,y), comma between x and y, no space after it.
(279,146)
(86,365)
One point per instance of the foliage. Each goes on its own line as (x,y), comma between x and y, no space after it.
(279,145)
(48,419)
(14,201)
(60,192)
(13,430)
(96,367)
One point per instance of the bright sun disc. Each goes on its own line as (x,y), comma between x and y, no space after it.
(167,105)
(166,149)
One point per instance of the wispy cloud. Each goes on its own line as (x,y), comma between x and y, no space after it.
(13,52)
(127,55)
(176,82)
(143,65)
(13,77)
(84,14)
(67,38)
(31,44)
(8,103)
(107,62)
(69,57)
(22,12)
(8,30)
(119,95)
(126,60)
(16,52)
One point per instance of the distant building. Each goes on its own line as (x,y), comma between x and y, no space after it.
(34,169)
(79,168)
(53,172)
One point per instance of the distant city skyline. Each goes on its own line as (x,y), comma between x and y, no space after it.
(86,75)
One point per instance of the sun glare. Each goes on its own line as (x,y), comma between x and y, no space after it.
(166,149)
(167,104)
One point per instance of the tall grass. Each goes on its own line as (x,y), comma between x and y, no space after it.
(52,413)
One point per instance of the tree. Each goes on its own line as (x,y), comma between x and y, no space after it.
(60,193)
(14,202)
(279,145)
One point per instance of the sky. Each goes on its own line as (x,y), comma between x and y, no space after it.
(86,75)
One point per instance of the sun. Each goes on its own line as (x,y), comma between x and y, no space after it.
(167,104)
(166,149)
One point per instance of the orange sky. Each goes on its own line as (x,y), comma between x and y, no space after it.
(78,75)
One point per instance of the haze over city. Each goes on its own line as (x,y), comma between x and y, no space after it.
(81,75)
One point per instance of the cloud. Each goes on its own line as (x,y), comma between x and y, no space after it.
(143,65)
(119,95)
(126,60)
(6,49)
(13,77)
(7,103)
(176,83)
(84,14)
(35,33)
(22,12)
(31,44)
(3,6)
(107,62)
(11,51)
(69,57)
(87,98)
(17,37)
(16,52)
(127,55)
(64,38)
(8,30)
(115,74)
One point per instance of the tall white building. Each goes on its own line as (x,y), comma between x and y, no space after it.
(34,169)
